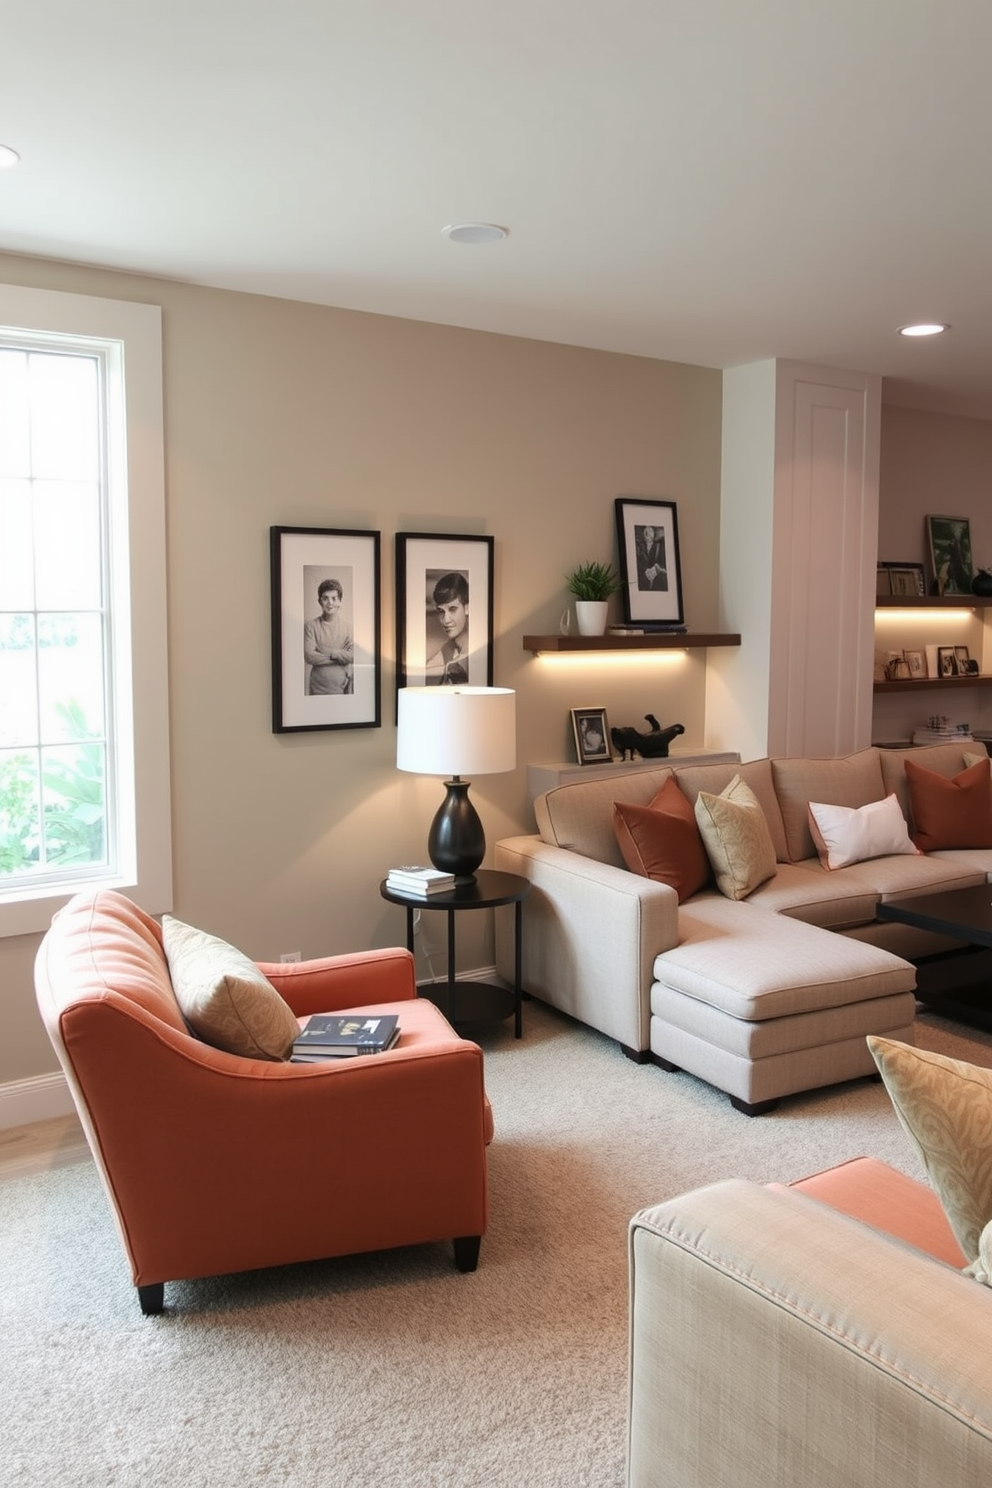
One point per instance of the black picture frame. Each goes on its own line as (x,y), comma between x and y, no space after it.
(591,733)
(304,560)
(947,662)
(952,568)
(427,653)
(650,563)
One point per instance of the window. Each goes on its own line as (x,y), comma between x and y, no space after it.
(84,785)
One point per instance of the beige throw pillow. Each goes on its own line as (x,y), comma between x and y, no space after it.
(224,997)
(945,1107)
(736,837)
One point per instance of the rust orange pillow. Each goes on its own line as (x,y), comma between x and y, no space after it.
(953,812)
(662,841)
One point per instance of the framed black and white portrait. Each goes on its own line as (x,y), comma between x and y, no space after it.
(591,733)
(325,629)
(650,567)
(444,610)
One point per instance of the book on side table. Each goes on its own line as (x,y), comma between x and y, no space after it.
(337,1036)
(412,879)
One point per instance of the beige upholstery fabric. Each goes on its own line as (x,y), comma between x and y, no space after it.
(755,773)
(777,1343)
(852,781)
(945,1107)
(224,997)
(807,892)
(579,816)
(736,837)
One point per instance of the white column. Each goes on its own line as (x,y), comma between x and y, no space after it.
(798,543)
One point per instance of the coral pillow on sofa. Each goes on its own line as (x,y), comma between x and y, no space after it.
(853,834)
(661,841)
(950,813)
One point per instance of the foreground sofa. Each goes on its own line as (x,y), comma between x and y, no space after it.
(214,1162)
(819,1335)
(764,996)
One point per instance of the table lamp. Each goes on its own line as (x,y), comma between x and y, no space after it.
(456,731)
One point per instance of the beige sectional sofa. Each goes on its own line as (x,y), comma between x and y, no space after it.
(764,996)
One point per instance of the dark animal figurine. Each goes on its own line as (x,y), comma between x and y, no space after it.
(628,742)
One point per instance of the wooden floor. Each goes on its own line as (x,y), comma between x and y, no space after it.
(42,1145)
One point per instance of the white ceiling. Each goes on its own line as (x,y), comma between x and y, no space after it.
(707,181)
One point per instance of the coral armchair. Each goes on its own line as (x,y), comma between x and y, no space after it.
(215,1163)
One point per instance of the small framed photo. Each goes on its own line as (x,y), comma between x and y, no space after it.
(325,629)
(650,567)
(962,657)
(592,736)
(906,579)
(444,610)
(949,545)
(917,663)
(947,663)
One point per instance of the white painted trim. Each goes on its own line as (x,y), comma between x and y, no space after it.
(39,1099)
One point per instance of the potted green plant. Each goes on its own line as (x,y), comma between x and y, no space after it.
(592,584)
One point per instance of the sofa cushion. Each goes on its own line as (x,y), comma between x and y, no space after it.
(662,841)
(950,813)
(853,834)
(852,781)
(736,837)
(808,892)
(755,773)
(224,997)
(579,816)
(945,1107)
(945,759)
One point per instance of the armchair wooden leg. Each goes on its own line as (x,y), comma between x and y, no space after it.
(467,1251)
(152,1298)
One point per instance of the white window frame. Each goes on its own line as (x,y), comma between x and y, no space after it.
(139,654)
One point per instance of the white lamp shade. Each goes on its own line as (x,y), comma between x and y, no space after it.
(456,730)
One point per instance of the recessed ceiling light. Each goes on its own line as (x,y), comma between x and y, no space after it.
(8,157)
(925,328)
(475,232)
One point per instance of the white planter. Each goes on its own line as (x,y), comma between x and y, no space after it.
(590,616)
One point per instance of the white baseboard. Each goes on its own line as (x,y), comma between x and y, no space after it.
(37,1099)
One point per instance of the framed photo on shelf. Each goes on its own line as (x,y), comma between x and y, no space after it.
(325,629)
(962,658)
(949,545)
(917,664)
(592,736)
(906,579)
(444,610)
(650,566)
(947,663)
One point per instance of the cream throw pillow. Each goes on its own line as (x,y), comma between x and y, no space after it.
(736,837)
(945,1106)
(224,997)
(853,834)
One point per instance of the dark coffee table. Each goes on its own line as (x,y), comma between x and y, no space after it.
(959,985)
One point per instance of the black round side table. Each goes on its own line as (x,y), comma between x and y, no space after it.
(472,1002)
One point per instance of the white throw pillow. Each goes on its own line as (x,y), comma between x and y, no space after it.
(849,834)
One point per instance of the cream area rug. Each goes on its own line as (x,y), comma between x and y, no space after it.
(392,1370)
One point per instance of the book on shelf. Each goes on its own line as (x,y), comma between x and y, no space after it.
(344,1036)
(416,880)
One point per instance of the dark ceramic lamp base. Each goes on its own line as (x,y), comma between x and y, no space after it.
(457,843)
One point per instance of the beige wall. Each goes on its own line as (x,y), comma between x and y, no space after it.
(280,413)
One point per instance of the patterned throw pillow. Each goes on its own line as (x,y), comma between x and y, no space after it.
(736,837)
(853,834)
(945,1107)
(662,842)
(224,997)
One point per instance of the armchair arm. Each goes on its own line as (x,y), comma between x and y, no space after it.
(591,934)
(335,983)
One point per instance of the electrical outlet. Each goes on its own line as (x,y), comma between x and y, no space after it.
(290,956)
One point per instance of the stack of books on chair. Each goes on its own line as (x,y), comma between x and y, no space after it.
(336,1036)
(412,879)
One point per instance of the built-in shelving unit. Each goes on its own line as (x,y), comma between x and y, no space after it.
(921,684)
(658,641)
(933,601)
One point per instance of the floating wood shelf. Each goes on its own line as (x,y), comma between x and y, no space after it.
(933,601)
(922,684)
(658,641)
